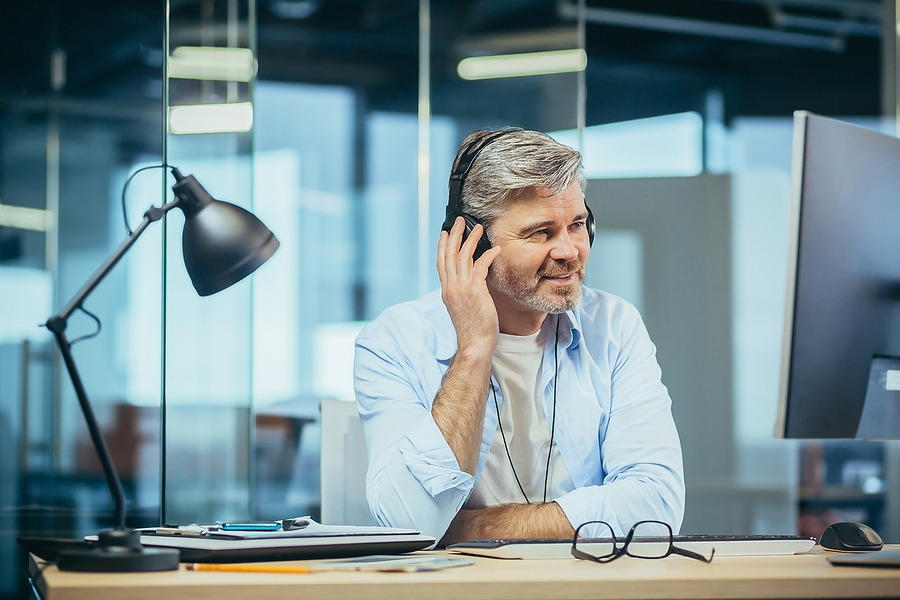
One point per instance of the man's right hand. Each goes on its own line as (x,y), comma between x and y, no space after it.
(458,408)
(465,293)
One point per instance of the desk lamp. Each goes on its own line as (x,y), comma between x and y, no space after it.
(222,244)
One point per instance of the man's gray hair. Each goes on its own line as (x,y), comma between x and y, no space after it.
(515,162)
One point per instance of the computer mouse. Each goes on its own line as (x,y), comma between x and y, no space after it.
(849,536)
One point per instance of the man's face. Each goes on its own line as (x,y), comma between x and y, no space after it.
(544,247)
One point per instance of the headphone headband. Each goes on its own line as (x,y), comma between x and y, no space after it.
(458,176)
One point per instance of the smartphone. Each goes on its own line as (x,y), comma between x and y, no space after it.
(249,525)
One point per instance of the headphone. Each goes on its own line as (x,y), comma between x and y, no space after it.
(458,177)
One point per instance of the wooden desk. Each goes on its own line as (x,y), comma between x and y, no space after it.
(756,577)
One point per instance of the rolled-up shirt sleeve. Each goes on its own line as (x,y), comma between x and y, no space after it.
(414,479)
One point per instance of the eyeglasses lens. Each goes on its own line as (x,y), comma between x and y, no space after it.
(596,539)
(650,540)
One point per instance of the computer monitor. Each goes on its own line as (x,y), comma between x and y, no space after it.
(841,361)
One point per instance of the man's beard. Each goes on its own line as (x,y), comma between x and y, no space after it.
(523,287)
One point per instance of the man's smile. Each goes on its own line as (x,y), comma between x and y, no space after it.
(569,274)
(562,279)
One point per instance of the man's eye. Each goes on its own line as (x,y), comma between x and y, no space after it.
(539,233)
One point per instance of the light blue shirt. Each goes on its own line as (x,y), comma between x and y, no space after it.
(614,425)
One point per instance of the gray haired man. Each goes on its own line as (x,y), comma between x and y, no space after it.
(515,402)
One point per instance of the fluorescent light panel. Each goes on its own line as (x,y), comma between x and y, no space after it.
(236,117)
(522,65)
(20,217)
(211,63)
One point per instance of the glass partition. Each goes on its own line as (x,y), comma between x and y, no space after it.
(207,342)
(335,136)
(81,104)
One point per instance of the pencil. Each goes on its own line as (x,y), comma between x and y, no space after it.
(246,568)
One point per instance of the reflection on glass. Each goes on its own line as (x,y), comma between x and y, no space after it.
(234,117)
(210,62)
(20,217)
(526,64)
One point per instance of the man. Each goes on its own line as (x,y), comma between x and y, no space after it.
(515,402)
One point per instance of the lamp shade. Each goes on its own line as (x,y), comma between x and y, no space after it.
(222,243)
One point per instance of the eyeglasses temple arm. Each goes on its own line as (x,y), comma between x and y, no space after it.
(692,554)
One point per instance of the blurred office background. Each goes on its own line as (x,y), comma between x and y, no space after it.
(336,122)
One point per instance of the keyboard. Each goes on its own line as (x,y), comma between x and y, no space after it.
(725,545)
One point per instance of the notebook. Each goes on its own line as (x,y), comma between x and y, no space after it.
(884,558)
(315,541)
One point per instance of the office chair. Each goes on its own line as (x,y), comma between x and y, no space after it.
(343,466)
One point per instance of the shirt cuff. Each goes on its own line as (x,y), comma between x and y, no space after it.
(430,459)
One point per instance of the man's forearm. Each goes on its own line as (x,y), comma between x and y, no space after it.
(509,521)
(458,408)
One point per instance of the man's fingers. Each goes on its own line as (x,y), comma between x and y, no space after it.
(463,279)
(485,261)
(467,251)
(441,258)
(456,233)
(451,249)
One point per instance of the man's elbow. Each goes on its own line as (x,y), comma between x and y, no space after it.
(418,510)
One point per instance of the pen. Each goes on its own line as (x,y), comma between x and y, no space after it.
(246,568)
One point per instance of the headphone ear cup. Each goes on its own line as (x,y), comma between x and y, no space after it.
(483,244)
(590,224)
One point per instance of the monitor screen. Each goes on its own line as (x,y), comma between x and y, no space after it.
(841,359)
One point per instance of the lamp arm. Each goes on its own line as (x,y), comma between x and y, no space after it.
(57,325)
(112,477)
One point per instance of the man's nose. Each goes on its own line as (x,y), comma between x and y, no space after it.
(564,248)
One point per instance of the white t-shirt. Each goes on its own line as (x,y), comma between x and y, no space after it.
(517,366)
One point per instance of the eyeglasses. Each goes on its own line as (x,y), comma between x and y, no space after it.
(646,539)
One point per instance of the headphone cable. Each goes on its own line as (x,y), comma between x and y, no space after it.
(552,423)
(505,445)
(553,419)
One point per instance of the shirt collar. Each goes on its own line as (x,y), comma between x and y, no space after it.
(570,329)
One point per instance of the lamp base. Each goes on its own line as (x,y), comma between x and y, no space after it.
(119,551)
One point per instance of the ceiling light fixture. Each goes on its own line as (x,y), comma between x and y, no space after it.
(211,63)
(20,217)
(295,9)
(235,117)
(522,65)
